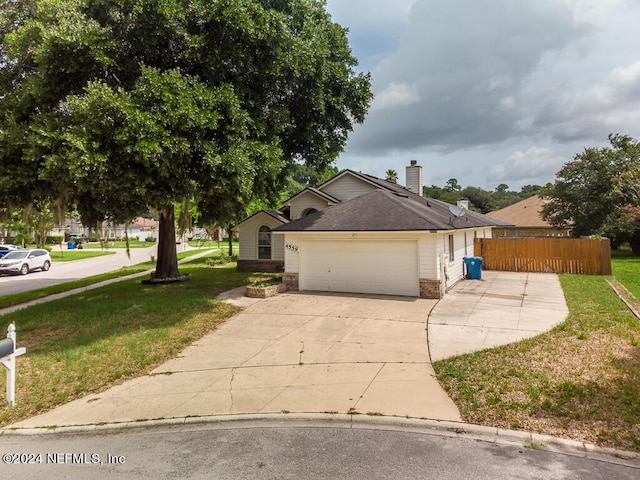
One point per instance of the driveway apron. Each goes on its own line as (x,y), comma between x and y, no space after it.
(295,352)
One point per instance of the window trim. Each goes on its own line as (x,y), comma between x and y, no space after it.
(263,246)
(451,243)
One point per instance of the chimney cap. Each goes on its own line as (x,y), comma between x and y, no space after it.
(414,163)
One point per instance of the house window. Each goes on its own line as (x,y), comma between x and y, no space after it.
(451,249)
(308,212)
(264,243)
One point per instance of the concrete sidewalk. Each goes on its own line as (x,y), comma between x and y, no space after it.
(502,308)
(328,353)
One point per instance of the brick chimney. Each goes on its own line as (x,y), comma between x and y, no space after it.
(414,177)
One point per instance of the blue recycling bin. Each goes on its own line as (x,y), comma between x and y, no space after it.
(474,267)
(71,245)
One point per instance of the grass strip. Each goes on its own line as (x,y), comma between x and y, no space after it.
(580,381)
(70,255)
(88,342)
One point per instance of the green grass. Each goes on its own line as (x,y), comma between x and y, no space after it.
(626,269)
(581,380)
(17,298)
(69,255)
(90,341)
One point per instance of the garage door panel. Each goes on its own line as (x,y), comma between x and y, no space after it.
(360,266)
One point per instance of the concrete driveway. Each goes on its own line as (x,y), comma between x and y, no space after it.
(502,308)
(329,353)
(295,352)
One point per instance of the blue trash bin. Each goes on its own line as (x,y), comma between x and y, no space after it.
(474,267)
(71,245)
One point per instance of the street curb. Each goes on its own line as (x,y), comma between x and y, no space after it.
(441,428)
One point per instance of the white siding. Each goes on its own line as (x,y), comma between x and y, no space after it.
(348,187)
(305,201)
(291,264)
(248,237)
(428,256)
(455,268)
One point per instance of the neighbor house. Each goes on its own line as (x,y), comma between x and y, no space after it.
(361,234)
(526,220)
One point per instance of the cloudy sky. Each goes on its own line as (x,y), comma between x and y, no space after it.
(494,91)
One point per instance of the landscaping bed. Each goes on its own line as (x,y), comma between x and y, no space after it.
(266,288)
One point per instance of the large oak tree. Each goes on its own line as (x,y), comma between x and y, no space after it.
(598,192)
(121,106)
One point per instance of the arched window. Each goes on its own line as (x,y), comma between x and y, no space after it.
(308,212)
(264,243)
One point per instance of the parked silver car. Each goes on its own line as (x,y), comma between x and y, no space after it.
(25,261)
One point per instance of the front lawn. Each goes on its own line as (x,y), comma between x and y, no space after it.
(90,341)
(579,381)
(17,298)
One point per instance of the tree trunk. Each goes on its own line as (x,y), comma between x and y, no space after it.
(634,243)
(167,264)
(230,235)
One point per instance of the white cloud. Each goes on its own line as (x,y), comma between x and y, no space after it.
(467,63)
(396,95)
(527,166)
(612,106)
(595,12)
(489,90)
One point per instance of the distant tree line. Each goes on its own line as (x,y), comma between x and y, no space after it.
(483,201)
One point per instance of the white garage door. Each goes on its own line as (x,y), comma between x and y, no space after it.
(385,267)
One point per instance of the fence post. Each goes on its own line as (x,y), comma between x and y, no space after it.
(605,259)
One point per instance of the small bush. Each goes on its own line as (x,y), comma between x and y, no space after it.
(54,239)
(150,239)
(221,259)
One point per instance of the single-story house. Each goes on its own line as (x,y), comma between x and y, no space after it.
(361,234)
(526,220)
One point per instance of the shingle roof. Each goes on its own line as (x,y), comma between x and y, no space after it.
(383,210)
(523,214)
(272,213)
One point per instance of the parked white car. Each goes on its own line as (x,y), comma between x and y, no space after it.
(25,261)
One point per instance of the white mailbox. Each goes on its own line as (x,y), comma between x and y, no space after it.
(8,354)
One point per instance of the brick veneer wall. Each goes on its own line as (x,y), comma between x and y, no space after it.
(431,289)
(260,266)
(291,281)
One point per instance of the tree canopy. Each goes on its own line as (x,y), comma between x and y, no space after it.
(483,201)
(119,107)
(598,192)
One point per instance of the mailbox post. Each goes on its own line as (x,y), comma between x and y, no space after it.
(8,354)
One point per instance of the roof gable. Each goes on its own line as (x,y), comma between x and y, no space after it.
(368,183)
(313,191)
(525,213)
(274,214)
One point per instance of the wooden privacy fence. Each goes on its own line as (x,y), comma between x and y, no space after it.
(548,254)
